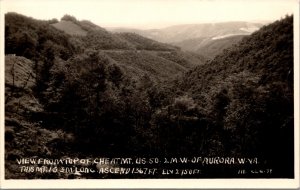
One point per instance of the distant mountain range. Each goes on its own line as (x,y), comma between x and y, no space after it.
(179,33)
(203,39)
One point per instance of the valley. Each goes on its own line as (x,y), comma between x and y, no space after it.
(208,39)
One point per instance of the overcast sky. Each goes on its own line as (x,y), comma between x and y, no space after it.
(153,13)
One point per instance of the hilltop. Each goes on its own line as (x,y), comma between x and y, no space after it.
(72,26)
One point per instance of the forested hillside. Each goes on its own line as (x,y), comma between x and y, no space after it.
(241,102)
(78,89)
(35,39)
(97,94)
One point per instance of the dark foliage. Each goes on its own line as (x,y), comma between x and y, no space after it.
(38,41)
(242,100)
(34,39)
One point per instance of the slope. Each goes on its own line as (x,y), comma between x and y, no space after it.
(216,46)
(138,64)
(25,136)
(142,43)
(241,101)
(70,28)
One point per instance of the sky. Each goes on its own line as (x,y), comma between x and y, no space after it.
(152,13)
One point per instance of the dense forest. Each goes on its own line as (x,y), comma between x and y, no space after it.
(74,89)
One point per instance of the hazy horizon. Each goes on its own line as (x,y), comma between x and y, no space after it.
(146,14)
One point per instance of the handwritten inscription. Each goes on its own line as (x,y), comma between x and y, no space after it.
(168,166)
(173,160)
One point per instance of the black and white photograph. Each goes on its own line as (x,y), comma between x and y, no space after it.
(149,93)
